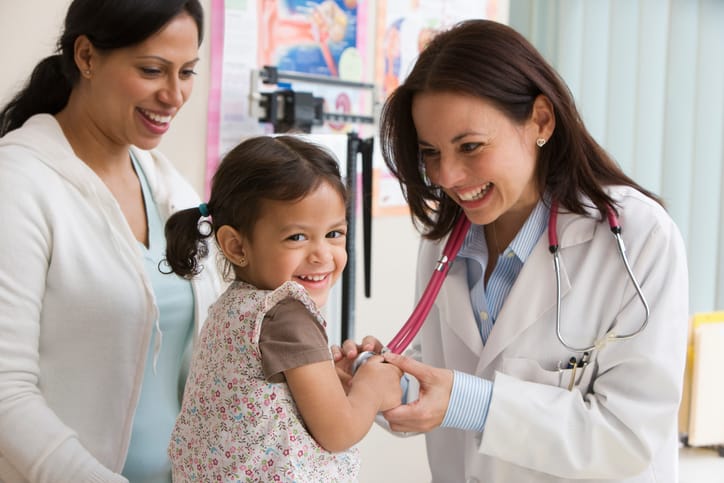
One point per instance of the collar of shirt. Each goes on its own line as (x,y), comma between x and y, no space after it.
(487,299)
(474,246)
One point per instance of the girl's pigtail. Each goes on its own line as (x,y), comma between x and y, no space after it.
(186,233)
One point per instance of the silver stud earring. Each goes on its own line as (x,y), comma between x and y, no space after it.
(540,142)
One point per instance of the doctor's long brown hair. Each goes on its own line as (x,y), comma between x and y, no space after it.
(492,61)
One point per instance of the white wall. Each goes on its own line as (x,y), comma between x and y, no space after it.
(28,31)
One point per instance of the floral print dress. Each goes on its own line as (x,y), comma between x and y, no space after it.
(235,426)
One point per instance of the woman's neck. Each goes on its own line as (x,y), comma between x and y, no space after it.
(90,143)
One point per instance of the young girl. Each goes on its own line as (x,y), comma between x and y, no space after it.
(263,401)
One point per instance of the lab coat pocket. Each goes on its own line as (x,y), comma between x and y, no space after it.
(531,370)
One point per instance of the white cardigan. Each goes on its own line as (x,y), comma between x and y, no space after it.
(619,423)
(76,308)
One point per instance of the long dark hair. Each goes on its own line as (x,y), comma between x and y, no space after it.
(278,168)
(492,61)
(109,25)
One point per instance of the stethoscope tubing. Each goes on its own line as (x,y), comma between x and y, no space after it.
(408,332)
(414,323)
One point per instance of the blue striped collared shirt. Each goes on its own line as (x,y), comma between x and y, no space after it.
(471,395)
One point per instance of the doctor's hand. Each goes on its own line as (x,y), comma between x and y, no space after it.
(429,410)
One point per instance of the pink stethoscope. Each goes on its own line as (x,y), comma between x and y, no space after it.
(403,338)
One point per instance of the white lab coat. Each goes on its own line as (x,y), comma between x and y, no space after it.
(619,423)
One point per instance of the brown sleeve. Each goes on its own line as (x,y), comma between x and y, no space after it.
(291,337)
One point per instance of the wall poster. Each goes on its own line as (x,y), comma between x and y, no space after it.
(366,41)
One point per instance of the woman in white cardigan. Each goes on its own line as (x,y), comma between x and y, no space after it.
(88,386)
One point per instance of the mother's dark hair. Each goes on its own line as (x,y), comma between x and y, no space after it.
(489,60)
(109,25)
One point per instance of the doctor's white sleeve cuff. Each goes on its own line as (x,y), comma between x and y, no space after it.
(469,402)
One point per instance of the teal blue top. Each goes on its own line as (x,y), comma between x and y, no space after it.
(159,405)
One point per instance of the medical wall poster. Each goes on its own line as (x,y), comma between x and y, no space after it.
(311,37)
(328,38)
(406,26)
(321,38)
(233,56)
(403,29)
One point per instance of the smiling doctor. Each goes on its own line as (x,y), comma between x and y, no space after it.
(555,349)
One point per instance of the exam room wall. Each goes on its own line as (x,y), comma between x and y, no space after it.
(28,30)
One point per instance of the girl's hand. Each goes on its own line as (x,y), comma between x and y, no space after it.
(338,417)
(384,378)
(350,349)
(344,357)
